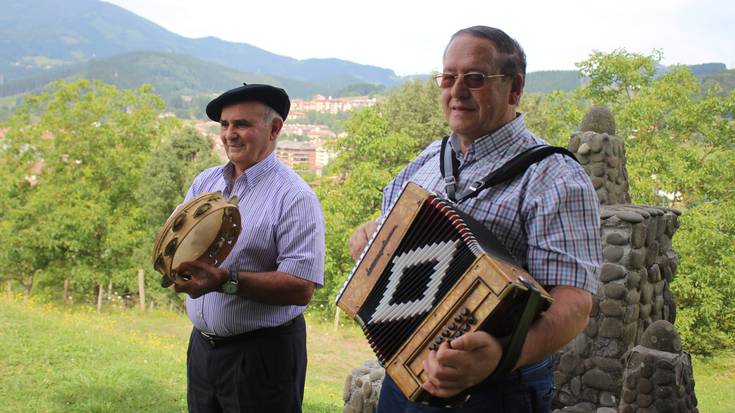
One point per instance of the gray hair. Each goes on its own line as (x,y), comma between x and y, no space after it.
(511,58)
(269,114)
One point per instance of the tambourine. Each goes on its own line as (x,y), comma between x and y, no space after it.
(204,229)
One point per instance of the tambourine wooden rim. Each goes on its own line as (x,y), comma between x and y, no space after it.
(203,229)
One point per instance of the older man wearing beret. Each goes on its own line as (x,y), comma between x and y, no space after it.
(247,350)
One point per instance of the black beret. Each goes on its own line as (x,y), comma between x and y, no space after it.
(272,96)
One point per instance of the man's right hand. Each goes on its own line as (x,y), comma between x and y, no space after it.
(197,278)
(359,239)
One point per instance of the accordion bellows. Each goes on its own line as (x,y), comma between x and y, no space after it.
(430,274)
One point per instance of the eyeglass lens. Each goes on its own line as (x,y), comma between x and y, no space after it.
(471,80)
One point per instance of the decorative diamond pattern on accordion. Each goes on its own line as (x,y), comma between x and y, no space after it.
(425,272)
(436,250)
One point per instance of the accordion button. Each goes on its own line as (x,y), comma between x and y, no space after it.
(446,333)
(465,327)
(438,340)
(458,318)
(432,347)
(464,312)
(471,320)
(452,326)
(458,334)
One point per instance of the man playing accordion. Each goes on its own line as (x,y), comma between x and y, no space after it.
(547,217)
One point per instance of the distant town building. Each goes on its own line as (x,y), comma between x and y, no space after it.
(312,131)
(328,104)
(310,156)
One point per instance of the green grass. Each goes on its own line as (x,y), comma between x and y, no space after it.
(74,360)
(62,360)
(714,383)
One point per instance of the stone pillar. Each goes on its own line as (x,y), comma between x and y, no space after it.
(658,374)
(634,281)
(362,388)
(602,154)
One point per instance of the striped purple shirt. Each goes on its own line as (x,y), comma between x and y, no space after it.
(548,217)
(282,230)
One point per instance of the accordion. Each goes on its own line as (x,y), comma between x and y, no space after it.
(429,274)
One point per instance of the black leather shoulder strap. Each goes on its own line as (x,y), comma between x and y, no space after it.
(514,167)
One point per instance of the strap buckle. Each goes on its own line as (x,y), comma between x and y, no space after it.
(476,185)
(451,187)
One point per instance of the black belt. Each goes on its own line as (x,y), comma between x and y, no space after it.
(215,340)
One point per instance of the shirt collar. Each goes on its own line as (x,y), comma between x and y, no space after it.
(497,145)
(254,174)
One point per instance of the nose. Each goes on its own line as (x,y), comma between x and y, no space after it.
(458,89)
(228,132)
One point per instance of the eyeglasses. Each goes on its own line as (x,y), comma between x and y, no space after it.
(472,80)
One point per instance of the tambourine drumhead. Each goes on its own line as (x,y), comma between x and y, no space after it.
(203,229)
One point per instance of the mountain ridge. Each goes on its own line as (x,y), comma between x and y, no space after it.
(38,34)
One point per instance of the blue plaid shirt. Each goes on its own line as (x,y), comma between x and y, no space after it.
(548,218)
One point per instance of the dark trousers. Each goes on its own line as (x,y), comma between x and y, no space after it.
(260,371)
(528,390)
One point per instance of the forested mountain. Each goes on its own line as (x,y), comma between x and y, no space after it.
(707,69)
(171,74)
(545,81)
(725,78)
(37,35)
(46,40)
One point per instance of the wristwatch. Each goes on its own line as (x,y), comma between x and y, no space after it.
(232,285)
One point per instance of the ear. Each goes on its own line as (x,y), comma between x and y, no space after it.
(516,89)
(276,125)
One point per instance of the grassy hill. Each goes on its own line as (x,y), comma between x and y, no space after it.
(73,360)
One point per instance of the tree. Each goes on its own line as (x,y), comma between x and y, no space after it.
(680,144)
(616,77)
(77,219)
(380,141)
(169,172)
(553,116)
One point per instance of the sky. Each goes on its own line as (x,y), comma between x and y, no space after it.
(409,36)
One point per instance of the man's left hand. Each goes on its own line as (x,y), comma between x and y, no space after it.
(470,360)
(197,278)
